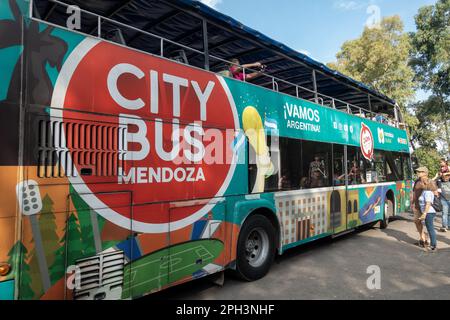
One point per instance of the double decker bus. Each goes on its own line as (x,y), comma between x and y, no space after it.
(133,162)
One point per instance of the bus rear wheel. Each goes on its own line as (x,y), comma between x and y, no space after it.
(255,249)
(388,213)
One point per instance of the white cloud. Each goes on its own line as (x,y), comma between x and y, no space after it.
(212,3)
(347,5)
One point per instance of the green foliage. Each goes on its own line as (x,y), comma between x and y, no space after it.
(431,48)
(431,127)
(431,62)
(395,63)
(379,58)
(428,157)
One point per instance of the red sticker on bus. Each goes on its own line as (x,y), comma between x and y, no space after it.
(151,126)
(367,142)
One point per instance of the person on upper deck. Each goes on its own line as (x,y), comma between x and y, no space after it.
(237,71)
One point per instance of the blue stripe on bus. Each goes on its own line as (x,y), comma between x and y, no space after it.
(197,229)
(130,249)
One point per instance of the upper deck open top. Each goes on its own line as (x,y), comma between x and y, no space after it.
(208,39)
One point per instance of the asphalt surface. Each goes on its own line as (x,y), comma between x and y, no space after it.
(337,269)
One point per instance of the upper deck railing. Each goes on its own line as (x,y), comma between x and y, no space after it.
(274,82)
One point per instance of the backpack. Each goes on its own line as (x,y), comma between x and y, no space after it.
(437,204)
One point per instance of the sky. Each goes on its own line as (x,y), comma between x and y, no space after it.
(317,28)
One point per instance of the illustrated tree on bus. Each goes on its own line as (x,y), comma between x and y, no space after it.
(20,252)
(86,227)
(35,275)
(74,249)
(47,224)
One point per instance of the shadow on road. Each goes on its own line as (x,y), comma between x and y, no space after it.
(337,269)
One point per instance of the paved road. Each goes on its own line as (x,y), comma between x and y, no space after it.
(337,269)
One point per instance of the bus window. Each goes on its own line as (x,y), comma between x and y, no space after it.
(272,178)
(406,164)
(304,164)
(393,166)
(338,165)
(357,166)
(379,161)
(291,168)
(317,163)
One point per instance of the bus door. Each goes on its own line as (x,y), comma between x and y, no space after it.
(197,231)
(199,248)
(338,199)
(98,252)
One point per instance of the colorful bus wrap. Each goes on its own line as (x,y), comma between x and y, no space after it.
(124,173)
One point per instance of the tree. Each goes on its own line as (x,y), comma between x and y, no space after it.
(428,157)
(431,122)
(379,58)
(431,60)
(18,254)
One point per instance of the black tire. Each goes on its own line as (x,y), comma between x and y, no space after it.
(251,268)
(388,213)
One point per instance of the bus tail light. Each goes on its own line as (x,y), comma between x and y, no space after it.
(5,268)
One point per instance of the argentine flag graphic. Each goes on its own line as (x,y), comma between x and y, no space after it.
(238,147)
(271,124)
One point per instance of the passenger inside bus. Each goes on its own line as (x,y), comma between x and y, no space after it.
(304,183)
(354,176)
(339,180)
(237,71)
(284,183)
(317,172)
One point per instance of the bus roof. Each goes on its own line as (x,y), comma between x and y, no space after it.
(182,21)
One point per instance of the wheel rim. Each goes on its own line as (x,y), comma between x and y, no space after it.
(257,247)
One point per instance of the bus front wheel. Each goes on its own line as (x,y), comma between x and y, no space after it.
(255,248)
(388,212)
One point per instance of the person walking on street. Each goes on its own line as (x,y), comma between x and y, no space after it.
(417,191)
(443,168)
(426,200)
(444,193)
